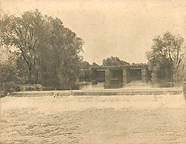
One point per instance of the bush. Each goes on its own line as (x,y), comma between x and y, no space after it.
(31,87)
(7,87)
(166,84)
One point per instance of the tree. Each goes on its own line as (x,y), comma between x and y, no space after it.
(47,50)
(85,65)
(113,61)
(25,33)
(166,56)
(94,64)
(62,55)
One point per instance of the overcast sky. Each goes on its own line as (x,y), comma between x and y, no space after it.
(124,29)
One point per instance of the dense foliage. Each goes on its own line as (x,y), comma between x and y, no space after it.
(166,58)
(8,79)
(47,52)
(85,65)
(113,61)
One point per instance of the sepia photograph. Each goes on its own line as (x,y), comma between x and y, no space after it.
(92,72)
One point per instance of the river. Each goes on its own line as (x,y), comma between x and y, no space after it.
(93,120)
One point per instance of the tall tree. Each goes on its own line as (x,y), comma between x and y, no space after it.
(46,48)
(25,33)
(62,55)
(166,56)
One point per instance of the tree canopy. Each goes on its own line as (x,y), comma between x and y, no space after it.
(85,65)
(47,52)
(94,64)
(113,61)
(166,57)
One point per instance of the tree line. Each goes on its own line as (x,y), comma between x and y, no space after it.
(45,51)
(165,60)
(41,50)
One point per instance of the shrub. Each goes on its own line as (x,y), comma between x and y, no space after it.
(31,87)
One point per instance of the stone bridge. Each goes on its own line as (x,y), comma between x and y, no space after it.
(118,76)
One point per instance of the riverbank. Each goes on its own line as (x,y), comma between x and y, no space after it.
(102,92)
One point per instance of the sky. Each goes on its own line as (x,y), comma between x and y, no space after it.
(118,28)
